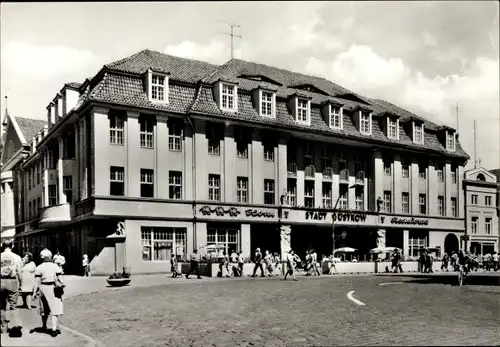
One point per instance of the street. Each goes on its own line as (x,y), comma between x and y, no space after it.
(383,310)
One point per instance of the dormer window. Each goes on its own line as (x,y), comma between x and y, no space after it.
(158,87)
(393,128)
(365,122)
(418,133)
(303,111)
(227,97)
(266,103)
(336,117)
(450,141)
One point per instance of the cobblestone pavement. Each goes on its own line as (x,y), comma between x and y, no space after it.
(272,312)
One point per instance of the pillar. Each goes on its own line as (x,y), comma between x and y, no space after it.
(397,174)
(133,167)
(378,165)
(200,238)
(432,190)
(406,243)
(282,173)
(228,179)
(414,188)
(245,240)
(257,157)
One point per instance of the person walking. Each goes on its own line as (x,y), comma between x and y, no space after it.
(174,266)
(86,266)
(277,264)
(290,265)
(27,280)
(194,266)
(241,262)
(268,261)
(445,262)
(234,264)
(314,262)
(333,269)
(49,285)
(495,261)
(307,265)
(258,263)
(10,272)
(60,261)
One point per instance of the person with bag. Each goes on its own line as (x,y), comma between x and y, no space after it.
(27,280)
(50,288)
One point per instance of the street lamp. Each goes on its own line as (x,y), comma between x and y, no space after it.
(333,220)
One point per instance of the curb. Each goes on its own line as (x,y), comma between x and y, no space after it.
(91,342)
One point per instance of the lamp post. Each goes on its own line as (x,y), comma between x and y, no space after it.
(333,220)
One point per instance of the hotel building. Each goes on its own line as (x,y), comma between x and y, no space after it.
(158,155)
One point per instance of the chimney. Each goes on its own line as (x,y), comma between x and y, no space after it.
(53,113)
(33,144)
(59,107)
(45,130)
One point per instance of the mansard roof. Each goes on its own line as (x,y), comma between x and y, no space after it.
(190,91)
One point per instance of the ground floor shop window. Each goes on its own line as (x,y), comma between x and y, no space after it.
(227,239)
(416,241)
(161,243)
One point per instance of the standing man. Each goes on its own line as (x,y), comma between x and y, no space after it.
(234,264)
(495,261)
(258,263)
(195,259)
(314,262)
(11,265)
(290,265)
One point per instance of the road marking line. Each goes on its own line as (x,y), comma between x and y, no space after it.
(388,283)
(350,297)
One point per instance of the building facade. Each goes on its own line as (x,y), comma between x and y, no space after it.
(172,154)
(481,211)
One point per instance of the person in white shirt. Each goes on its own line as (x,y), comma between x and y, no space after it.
(59,260)
(290,264)
(277,263)
(268,261)
(233,258)
(241,262)
(495,261)
(333,268)
(86,265)
(314,262)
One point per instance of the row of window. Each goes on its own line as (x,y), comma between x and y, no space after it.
(488,199)
(405,169)
(488,222)
(422,204)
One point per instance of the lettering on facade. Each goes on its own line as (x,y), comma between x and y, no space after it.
(348,217)
(256,213)
(411,221)
(234,212)
(219,211)
(314,215)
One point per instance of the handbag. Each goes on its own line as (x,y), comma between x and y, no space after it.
(58,287)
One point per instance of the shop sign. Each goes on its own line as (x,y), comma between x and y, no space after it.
(234,212)
(315,215)
(409,221)
(348,217)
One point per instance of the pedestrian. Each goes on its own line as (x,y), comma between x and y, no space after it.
(258,263)
(307,265)
(453,261)
(290,265)
(399,259)
(241,262)
(332,265)
(10,272)
(86,266)
(49,286)
(235,271)
(496,264)
(277,264)
(59,260)
(314,262)
(27,280)
(445,261)
(268,260)
(174,267)
(194,266)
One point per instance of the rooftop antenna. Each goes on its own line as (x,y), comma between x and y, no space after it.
(475,160)
(457,119)
(232,34)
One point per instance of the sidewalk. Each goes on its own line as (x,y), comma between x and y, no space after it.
(76,285)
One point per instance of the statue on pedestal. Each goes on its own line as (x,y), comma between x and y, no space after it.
(381,242)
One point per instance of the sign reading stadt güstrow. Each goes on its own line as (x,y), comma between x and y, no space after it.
(337,216)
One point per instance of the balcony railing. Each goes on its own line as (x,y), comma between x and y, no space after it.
(327,173)
(360,178)
(344,176)
(56,215)
(310,171)
(291,169)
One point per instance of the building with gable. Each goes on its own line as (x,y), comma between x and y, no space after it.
(174,154)
(481,211)
(16,136)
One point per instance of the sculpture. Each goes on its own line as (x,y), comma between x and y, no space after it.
(120,229)
(381,242)
(285,231)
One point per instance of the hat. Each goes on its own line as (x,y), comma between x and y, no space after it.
(257,250)
(46,254)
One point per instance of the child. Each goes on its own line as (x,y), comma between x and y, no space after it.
(174,266)
(86,266)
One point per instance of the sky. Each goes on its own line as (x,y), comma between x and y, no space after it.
(426,57)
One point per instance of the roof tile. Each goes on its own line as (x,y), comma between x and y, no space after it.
(30,127)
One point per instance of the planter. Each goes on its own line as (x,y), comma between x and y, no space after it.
(118,282)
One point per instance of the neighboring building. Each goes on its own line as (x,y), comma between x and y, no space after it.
(496,172)
(16,135)
(481,211)
(177,154)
